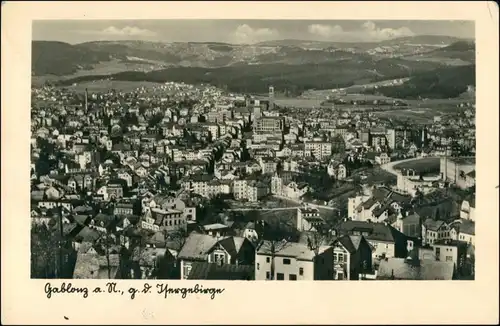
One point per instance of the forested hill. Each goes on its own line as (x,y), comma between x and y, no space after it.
(445,82)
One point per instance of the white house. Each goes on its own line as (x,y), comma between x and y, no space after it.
(293,262)
(467,210)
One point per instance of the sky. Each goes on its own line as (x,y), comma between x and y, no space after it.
(244,31)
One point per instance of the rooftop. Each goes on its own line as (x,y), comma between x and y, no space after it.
(398,268)
(207,271)
(215,226)
(463,160)
(296,250)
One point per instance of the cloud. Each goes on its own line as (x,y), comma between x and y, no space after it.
(246,34)
(325,30)
(368,31)
(125,31)
(385,33)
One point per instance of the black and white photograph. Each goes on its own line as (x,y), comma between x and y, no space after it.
(258,150)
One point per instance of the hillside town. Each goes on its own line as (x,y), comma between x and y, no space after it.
(194,182)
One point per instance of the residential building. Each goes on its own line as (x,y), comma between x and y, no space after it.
(458,170)
(267,125)
(414,268)
(408,224)
(453,251)
(206,248)
(320,150)
(468,208)
(464,231)
(309,219)
(292,261)
(337,170)
(435,230)
(385,240)
(352,256)
(382,159)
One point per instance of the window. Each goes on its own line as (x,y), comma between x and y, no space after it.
(301,271)
(268,259)
(258,266)
(449,258)
(335,257)
(286,261)
(345,258)
(219,258)
(280,277)
(292,277)
(341,257)
(187,269)
(268,275)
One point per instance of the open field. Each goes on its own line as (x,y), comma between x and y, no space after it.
(361,97)
(446,61)
(102,68)
(374,175)
(422,165)
(299,102)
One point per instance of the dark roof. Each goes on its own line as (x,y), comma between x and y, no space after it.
(380,210)
(197,246)
(433,225)
(466,226)
(376,231)
(400,269)
(232,244)
(451,243)
(82,219)
(472,200)
(208,271)
(347,243)
(369,203)
(121,147)
(88,234)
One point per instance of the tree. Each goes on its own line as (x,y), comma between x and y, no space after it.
(437,214)
(177,236)
(106,242)
(209,212)
(155,120)
(316,239)
(272,240)
(44,248)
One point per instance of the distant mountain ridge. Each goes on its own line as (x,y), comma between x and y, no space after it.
(58,58)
